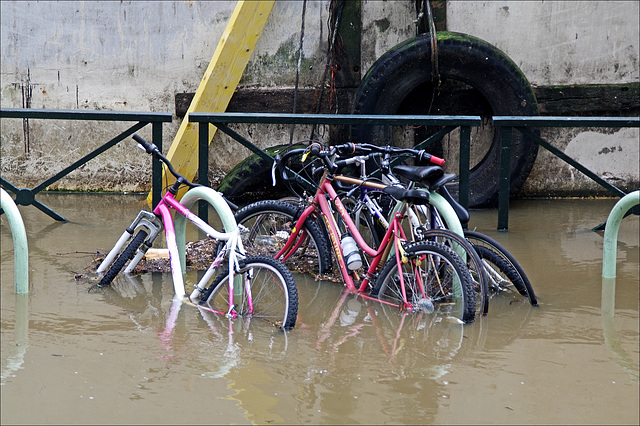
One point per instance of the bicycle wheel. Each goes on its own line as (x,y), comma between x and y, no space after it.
(126,255)
(501,274)
(274,295)
(265,226)
(444,276)
(504,265)
(467,252)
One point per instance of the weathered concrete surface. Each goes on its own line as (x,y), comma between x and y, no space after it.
(563,42)
(136,56)
(612,154)
(558,42)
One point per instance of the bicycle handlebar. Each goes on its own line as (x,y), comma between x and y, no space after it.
(421,155)
(152,149)
(350,150)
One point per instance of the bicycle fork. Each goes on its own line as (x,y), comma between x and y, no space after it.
(144,219)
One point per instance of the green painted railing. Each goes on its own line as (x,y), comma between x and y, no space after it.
(524,125)
(27,196)
(450,123)
(505,124)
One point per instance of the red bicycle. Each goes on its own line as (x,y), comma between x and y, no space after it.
(411,275)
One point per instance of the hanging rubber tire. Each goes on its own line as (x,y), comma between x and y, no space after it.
(476,78)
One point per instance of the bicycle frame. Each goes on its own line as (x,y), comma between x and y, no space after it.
(161,217)
(394,233)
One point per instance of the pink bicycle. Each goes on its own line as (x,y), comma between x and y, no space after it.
(255,286)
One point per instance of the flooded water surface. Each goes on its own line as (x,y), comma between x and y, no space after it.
(117,356)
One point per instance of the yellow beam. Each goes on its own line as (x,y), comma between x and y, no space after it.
(219,82)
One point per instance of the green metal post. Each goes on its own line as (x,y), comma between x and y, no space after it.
(20,248)
(465,155)
(203,166)
(505,180)
(156,165)
(611,232)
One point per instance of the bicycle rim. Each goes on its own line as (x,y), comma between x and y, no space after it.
(468,254)
(443,275)
(274,298)
(264,231)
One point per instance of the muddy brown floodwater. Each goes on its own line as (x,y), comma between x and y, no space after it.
(111,357)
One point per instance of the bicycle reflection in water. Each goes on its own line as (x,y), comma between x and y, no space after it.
(213,345)
(376,335)
(334,324)
(434,339)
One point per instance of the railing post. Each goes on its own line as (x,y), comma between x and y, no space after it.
(463,173)
(505,179)
(156,165)
(20,247)
(203,167)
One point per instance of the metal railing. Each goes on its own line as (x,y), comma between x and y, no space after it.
(450,123)
(504,124)
(27,196)
(524,125)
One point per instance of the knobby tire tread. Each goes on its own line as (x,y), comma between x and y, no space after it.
(126,255)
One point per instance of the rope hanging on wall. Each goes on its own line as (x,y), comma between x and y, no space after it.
(425,9)
(335,7)
(295,91)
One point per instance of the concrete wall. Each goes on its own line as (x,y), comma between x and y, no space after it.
(136,56)
(567,43)
(558,42)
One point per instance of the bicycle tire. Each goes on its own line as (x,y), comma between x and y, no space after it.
(266,225)
(523,285)
(273,289)
(502,276)
(447,281)
(474,263)
(126,255)
(480,280)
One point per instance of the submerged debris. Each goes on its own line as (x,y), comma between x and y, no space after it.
(199,256)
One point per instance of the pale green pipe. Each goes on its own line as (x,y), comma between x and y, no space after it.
(446,212)
(15,358)
(217,202)
(20,248)
(444,208)
(611,232)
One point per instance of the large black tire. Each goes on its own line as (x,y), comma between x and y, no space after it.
(126,255)
(476,79)
(251,179)
(266,225)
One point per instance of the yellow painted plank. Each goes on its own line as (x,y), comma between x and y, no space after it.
(219,82)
